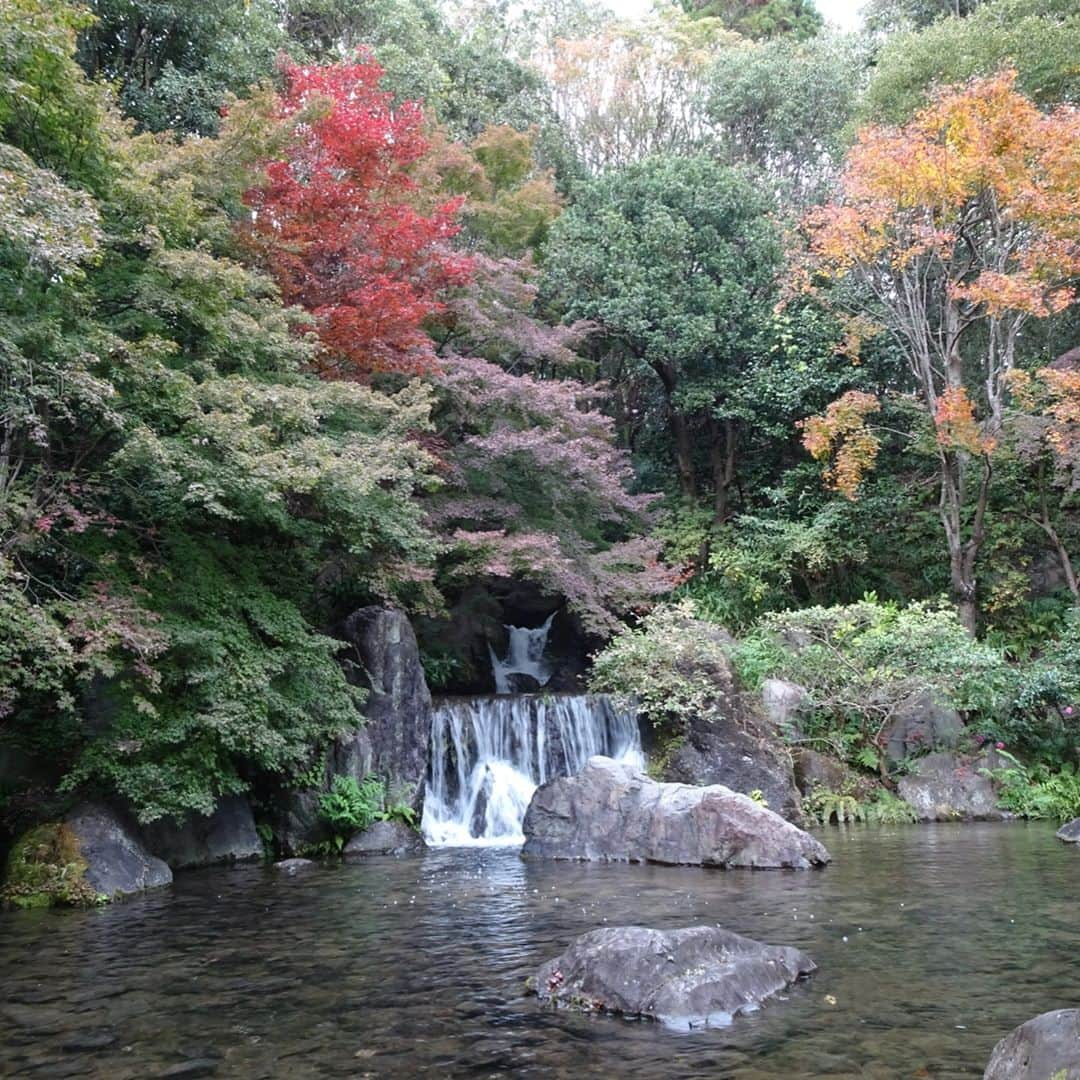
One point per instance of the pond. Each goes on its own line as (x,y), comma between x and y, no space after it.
(932,943)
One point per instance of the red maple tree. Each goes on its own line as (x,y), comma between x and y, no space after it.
(336,221)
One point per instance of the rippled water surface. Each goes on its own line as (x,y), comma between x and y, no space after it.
(933,941)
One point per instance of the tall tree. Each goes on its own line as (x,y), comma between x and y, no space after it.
(675,259)
(336,223)
(960,227)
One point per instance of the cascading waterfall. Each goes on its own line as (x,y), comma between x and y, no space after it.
(489,754)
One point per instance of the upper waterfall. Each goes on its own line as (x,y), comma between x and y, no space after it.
(524,656)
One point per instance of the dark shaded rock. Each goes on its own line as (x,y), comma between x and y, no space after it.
(702,976)
(386,838)
(521,683)
(951,787)
(922,722)
(291,866)
(1045,1048)
(195,1067)
(816,770)
(228,835)
(613,813)
(1070,833)
(392,742)
(734,744)
(117,864)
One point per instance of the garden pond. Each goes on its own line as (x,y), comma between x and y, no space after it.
(932,943)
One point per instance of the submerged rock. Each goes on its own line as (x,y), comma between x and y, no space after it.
(291,866)
(386,838)
(701,976)
(1070,833)
(228,835)
(612,812)
(952,787)
(1045,1048)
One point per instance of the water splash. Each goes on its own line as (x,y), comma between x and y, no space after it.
(524,656)
(489,754)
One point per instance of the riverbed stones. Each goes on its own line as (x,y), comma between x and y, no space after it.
(700,976)
(1070,833)
(952,787)
(117,863)
(612,812)
(386,838)
(227,835)
(1046,1047)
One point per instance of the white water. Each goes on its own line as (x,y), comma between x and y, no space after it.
(489,754)
(524,656)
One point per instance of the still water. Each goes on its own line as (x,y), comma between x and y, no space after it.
(934,942)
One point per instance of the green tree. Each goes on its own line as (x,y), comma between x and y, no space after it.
(675,260)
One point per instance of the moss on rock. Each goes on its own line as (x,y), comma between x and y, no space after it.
(46,868)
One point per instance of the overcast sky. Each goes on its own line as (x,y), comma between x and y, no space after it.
(844,13)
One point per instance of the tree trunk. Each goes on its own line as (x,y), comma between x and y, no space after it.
(722,459)
(684,457)
(963,553)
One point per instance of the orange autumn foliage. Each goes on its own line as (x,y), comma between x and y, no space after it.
(955,424)
(842,437)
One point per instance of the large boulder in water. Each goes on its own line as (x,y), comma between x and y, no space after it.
(612,812)
(702,976)
(1070,833)
(951,787)
(91,854)
(227,835)
(1045,1048)
(386,838)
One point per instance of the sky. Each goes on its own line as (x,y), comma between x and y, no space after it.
(844,13)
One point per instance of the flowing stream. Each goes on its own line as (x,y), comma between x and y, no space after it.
(932,942)
(489,754)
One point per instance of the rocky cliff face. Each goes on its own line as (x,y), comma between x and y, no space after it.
(392,740)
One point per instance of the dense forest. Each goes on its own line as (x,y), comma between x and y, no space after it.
(721,317)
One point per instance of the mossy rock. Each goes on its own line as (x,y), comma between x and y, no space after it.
(46,868)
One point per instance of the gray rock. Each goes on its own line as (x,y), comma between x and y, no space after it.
(392,741)
(702,976)
(228,835)
(611,812)
(951,787)
(386,838)
(922,722)
(734,743)
(785,703)
(117,864)
(291,866)
(1070,833)
(1045,1048)
(817,770)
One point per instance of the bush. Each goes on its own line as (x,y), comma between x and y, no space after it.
(861,662)
(1036,792)
(350,807)
(671,665)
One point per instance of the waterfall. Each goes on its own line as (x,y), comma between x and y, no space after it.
(524,656)
(489,754)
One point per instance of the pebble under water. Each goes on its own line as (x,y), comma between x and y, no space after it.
(932,943)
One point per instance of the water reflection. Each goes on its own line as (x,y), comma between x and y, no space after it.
(932,941)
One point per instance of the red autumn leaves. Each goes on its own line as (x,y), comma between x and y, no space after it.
(338,226)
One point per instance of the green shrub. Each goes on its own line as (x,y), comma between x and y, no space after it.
(861,662)
(350,806)
(673,666)
(46,868)
(823,806)
(1036,792)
